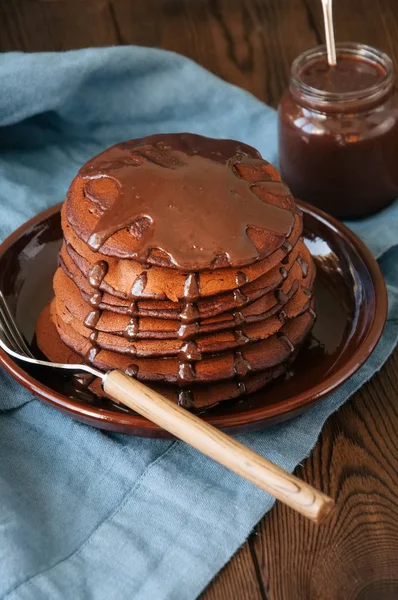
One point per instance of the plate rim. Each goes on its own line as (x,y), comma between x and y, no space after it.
(253,418)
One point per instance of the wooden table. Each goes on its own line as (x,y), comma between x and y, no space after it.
(252,43)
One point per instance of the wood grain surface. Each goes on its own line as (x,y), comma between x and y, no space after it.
(251,43)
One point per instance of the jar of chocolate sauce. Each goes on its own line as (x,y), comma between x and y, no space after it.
(338,131)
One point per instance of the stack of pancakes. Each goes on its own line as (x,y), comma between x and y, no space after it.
(183,266)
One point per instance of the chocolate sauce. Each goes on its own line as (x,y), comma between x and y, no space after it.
(187,330)
(191,287)
(96,299)
(280,296)
(241,366)
(92,319)
(239,298)
(132,328)
(282,316)
(197,206)
(189,313)
(97,273)
(83,380)
(303,265)
(338,131)
(185,398)
(286,341)
(283,272)
(241,279)
(348,75)
(139,285)
(93,336)
(241,337)
(189,327)
(286,247)
(95,278)
(132,370)
(91,354)
(312,313)
(241,387)
(238,318)
(189,351)
(133,308)
(186,373)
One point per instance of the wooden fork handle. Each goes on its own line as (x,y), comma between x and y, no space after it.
(220,447)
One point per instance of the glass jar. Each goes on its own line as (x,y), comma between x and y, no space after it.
(338,146)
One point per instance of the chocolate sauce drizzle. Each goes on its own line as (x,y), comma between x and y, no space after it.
(95,277)
(286,341)
(238,317)
(189,192)
(240,337)
(283,272)
(286,247)
(280,296)
(132,370)
(282,316)
(312,313)
(139,285)
(133,326)
(303,265)
(185,398)
(239,298)
(241,279)
(189,351)
(241,387)
(241,366)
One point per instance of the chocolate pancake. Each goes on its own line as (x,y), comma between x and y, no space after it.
(198,397)
(207,307)
(155,328)
(206,343)
(181,201)
(135,290)
(189,367)
(125,277)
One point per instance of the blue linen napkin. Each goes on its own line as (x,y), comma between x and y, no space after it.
(86,513)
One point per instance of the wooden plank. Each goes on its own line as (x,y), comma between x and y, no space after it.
(354,554)
(248,43)
(35,26)
(238,580)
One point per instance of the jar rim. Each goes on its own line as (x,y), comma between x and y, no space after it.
(368,53)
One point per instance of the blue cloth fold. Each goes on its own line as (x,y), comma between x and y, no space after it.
(91,514)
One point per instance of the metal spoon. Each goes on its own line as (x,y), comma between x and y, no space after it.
(329,31)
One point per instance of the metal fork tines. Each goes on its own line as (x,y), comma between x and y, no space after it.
(13,343)
(10,329)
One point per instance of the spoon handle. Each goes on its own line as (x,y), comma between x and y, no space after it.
(217,445)
(329,31)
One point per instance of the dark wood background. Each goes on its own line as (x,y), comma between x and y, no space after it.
(251,43)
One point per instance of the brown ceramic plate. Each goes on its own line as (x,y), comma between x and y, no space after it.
(351,303)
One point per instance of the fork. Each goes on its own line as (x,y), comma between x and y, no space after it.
(184,425)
